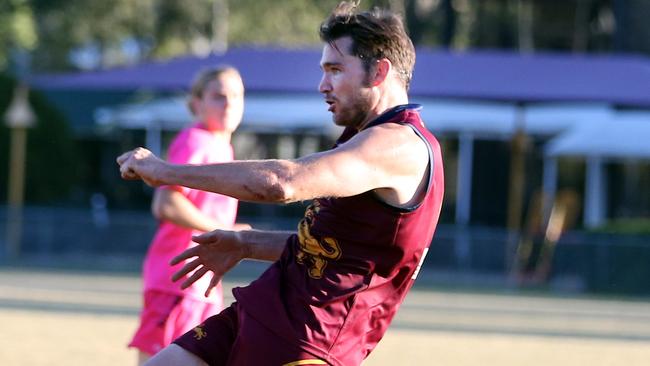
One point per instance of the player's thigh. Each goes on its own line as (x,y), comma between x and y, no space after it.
(257,345)
(174,355)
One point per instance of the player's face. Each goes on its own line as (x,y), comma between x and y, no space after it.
(221,106)
(344,84)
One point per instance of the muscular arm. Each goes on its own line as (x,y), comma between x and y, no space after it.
(389,158)
(264,245)
(220,250)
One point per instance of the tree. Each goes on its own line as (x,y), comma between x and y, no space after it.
(51,160)
(289,23)
(68,34)
(17,32)
(632,32)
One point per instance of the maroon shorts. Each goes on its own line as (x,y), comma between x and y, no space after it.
(233,338)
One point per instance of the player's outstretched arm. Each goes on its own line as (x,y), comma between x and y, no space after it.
(252,180)
(390,157)
(220,250)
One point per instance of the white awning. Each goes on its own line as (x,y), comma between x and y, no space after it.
(291,112)
(491,119)
(276,113)
(625,135)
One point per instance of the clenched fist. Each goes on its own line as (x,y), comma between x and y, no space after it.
(142,164)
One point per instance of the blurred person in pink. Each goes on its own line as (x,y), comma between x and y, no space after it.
(217,103)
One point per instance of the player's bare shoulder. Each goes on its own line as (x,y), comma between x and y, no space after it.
(401,143)
(402,156)
(394,151)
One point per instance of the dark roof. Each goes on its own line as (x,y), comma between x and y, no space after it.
(486,75)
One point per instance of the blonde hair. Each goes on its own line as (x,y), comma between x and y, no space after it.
(202,79)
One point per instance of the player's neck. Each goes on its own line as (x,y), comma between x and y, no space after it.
(385,101)
(222,136)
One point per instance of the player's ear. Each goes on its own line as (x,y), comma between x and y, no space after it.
(193,105)
(381,70)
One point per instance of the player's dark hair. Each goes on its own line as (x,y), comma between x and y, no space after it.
(375,34)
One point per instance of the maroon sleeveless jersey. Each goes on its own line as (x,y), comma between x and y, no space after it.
(341,279)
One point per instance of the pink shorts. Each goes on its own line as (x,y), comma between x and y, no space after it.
(233,338)
(166,316)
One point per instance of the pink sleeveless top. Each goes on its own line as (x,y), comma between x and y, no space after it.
(193,145)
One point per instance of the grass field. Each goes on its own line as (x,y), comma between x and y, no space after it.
(78,318)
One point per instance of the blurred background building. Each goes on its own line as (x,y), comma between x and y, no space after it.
(542,109)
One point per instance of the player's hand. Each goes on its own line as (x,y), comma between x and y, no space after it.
(141,164)
(218,252)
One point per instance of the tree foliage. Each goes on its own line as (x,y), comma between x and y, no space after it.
(51,162)
(288,23)
(17,29)
(65,34)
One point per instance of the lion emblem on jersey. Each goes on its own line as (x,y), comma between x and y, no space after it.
(199,333)
(315,253)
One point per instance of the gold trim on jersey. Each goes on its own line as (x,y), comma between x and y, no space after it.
(306,362)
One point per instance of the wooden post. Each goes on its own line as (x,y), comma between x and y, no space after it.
(19,117)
